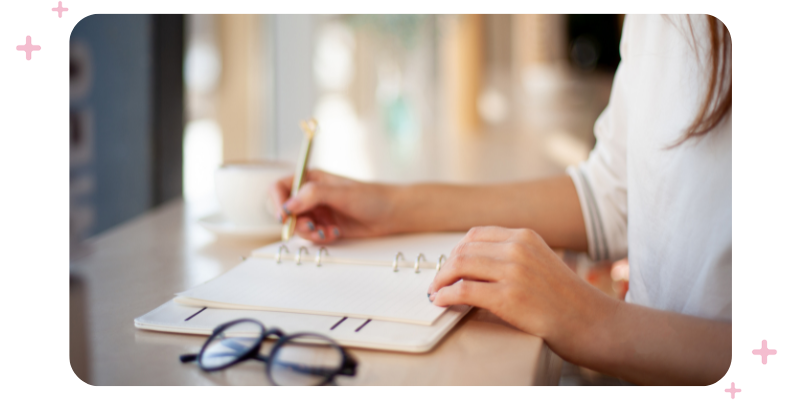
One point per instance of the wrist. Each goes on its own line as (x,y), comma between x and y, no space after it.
(591,329)
(398,199)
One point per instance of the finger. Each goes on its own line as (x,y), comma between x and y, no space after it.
(469,267)
(305,223)
(308,228)
(305,227)
(313,194)
(499,234)
(488,249)
(279,192)
(325,222)
(510,250)
(316,227)
(478,294)
(316,175)
(320,235)
(488,234)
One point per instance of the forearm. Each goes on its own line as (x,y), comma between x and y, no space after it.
(548,206)
(648,346)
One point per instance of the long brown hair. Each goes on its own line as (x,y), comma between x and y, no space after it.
(718,100)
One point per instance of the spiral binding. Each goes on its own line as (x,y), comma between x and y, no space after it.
(301,250)
(398,258)
(441,261)
(280,251)
(319,255)
(396,262)
(416,263)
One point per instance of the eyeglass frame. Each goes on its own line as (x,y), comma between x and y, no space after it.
(347,368)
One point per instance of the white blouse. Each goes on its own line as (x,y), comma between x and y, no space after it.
(667,209)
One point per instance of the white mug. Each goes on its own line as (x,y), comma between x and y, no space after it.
(243,191)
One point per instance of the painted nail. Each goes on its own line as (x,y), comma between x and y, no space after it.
(429,298)
(310,225)
(286,210)
(321,234)
(336,232)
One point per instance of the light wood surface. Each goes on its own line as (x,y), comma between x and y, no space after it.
(137,266)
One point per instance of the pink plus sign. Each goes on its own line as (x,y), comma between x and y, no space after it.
(764,352)
(733,390)
(28,47)
(60,9)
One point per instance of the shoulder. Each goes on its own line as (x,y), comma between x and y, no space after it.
(664,36)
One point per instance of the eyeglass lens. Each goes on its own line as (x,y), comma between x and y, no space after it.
(230,345)
(298,362)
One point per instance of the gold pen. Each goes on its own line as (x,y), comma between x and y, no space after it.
(310,129)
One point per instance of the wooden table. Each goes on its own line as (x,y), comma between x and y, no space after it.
(139,265)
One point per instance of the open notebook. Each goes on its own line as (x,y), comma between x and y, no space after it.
(382,279)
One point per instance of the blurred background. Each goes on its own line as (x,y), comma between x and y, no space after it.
(158,102)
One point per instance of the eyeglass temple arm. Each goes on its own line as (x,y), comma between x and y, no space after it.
(349,366)
(188,357)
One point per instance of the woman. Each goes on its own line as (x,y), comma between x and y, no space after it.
(656,188)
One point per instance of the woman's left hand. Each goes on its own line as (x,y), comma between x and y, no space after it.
(516,276)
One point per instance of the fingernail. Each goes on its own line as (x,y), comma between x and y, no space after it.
(310,225)
(286,210)
(321,234)
(429,298)
(432,297)
(336,232)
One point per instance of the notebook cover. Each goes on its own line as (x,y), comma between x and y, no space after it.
(352,332)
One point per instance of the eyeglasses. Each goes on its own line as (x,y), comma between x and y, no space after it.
(297,359)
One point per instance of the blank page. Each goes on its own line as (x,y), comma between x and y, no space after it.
(358,291)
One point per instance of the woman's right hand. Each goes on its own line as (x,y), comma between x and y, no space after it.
(330,207)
